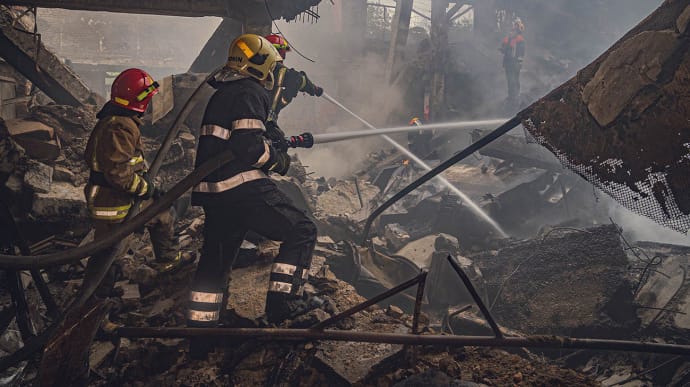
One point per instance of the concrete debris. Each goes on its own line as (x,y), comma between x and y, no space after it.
(570,279)
(36,138)
(544,277)
(394,311)
(38,177)
(63,202)
(396,236)
(63,174)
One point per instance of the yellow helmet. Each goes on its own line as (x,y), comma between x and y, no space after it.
(254,56)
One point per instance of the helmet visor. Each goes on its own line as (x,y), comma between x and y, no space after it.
(153,89)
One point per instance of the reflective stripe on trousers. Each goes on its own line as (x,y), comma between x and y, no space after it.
(204,307)
(283,280)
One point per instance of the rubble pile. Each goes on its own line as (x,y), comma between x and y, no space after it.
(570,282)
(574,282)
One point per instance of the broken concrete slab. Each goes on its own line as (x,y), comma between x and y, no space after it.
(396,236)
(99,352)
(649,50)
(38,177)
(419,251)
(63,202)
(570,282)
(36,138)
(63,174)
(664,298)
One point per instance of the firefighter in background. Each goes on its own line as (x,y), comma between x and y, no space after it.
(288,81)
(239,196)
(513,50)
(114,154)
(419,141)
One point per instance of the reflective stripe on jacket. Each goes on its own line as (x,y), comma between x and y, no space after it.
(115,157)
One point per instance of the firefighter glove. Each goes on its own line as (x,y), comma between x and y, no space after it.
(309,87)
(147,189)
(279,163)
(280,145)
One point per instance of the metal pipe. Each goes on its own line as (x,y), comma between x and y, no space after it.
(478,300)
(418,301)
(323,138)
(407,339)
(484,141)
(360,307)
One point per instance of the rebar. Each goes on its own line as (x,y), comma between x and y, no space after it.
(418,301)
(360,307)
(478,300)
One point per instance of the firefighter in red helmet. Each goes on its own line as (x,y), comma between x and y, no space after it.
(287,83)
(115,156)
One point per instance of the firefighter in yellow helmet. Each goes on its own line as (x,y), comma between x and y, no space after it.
(114,154)
(239,196)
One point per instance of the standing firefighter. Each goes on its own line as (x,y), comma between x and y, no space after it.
(513,49)
(419,141)
(239,196)
(288,82)
(115,156)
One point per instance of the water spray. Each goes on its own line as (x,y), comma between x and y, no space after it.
(323,138)
(471,204)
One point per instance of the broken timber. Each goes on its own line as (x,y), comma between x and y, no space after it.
(25,52)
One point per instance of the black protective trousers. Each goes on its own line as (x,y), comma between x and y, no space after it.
(261,207)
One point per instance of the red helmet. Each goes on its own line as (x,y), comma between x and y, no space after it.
(279,43)
(133,90)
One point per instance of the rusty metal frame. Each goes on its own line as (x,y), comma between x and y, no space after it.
(419,280)
(478,300)
(317,331)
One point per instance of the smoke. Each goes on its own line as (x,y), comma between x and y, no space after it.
(346,71)
(640,228)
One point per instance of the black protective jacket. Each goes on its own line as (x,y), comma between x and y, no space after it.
(233,101)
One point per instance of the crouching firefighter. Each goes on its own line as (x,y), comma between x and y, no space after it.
(114,153)
(239,196)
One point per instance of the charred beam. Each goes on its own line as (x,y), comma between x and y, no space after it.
(25,52)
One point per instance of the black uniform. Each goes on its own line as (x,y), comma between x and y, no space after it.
(239,197)
(288,82)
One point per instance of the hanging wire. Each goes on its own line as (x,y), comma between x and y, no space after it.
(268,10)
